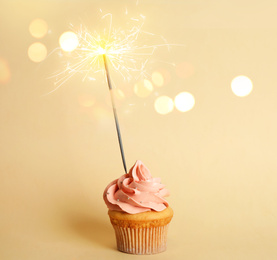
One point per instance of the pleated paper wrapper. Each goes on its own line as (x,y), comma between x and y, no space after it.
(141,241)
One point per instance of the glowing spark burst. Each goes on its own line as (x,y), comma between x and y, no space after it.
(126,51)
(115,48)
(120,48)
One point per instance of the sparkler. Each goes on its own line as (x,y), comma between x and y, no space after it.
(118,48)
(115,114)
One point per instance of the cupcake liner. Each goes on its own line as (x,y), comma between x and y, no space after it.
(141,241)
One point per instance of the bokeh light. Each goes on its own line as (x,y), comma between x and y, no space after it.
(166,75)
(37,52)
(100,113)
(241,86)
(5,73)
(86,100)
(184,101)
(157,79)
(164,105)
(38,28)
(143,88)
(184,70)
(119,94)
(69,41)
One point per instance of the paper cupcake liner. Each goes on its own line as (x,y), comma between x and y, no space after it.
(141,241)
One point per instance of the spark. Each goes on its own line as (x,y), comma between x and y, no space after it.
(121,48)
(125,50)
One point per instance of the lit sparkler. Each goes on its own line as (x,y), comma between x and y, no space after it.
(116,48)
(124,50)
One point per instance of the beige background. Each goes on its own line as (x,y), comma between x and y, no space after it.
(218,160)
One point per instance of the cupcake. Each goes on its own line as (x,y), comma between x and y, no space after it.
(138,211)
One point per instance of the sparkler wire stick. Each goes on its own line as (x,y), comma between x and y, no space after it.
(115,113)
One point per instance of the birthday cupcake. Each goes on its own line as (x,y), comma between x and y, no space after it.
(138,211)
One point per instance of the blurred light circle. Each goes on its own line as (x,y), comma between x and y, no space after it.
(164,105)
(86,100)
(38,28)
(241,86)
(166,75)
(5,73)
(184,70)
(143,88)
(184,101)
(37,52)
(69,41)
(119,94)
(100,113)
(158,79)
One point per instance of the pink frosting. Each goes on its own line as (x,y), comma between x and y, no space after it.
(136,192)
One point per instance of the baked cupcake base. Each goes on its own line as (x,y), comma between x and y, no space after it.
(142,233)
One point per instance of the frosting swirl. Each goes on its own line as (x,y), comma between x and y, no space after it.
(136,192)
